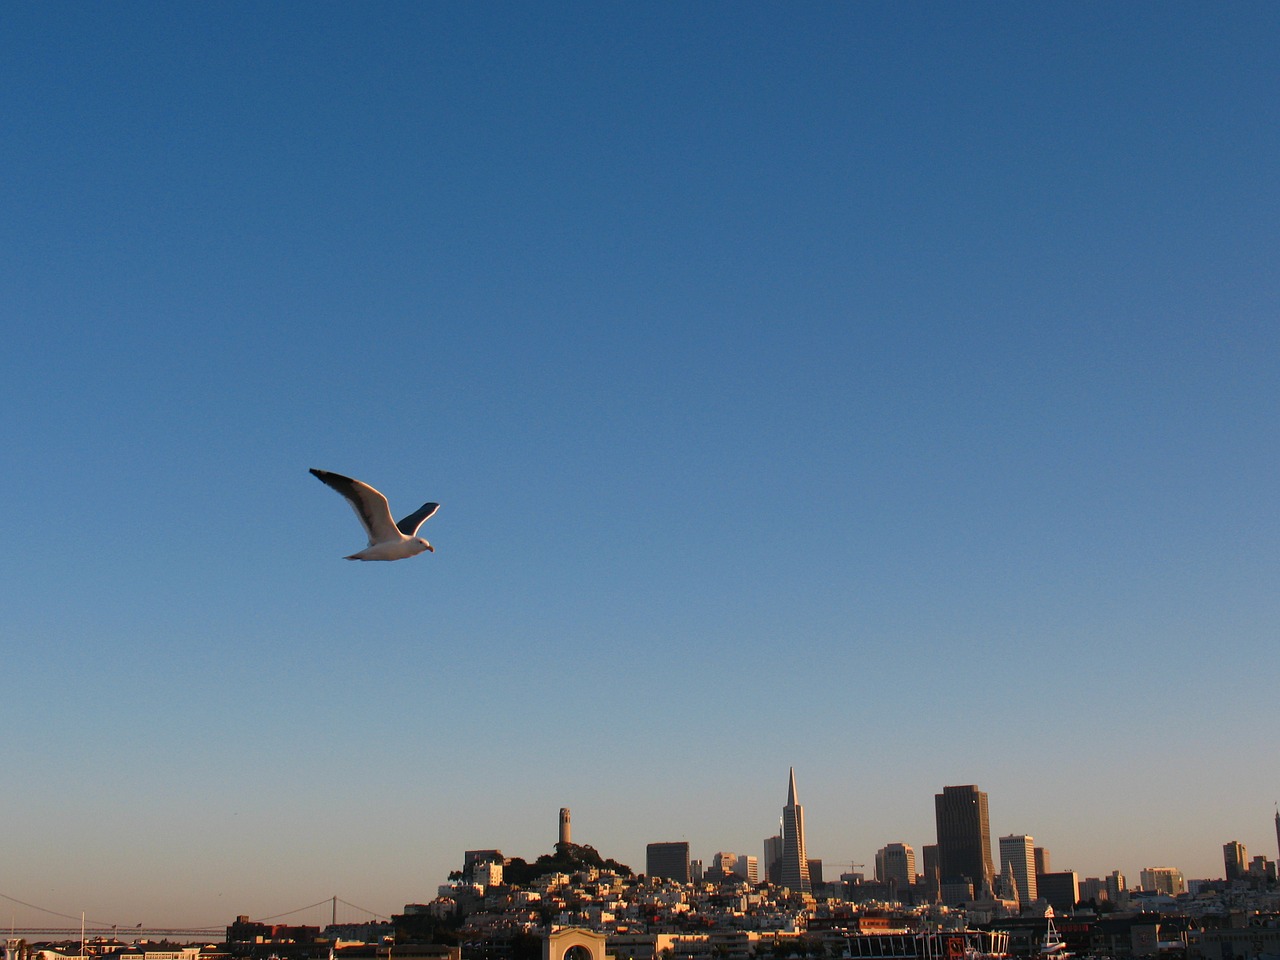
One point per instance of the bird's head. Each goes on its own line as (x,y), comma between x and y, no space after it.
(426,546)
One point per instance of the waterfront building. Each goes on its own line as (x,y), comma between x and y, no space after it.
(793,871)
(964,837)
(1250,941)
(669,860)
(1017,853)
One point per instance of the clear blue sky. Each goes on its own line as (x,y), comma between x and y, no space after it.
(887,390)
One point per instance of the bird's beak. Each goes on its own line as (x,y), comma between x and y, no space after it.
(431,548)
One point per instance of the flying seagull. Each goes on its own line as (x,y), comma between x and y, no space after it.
(387,540)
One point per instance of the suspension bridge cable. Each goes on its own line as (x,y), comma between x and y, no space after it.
(310,906)
(372,913)
(65,916)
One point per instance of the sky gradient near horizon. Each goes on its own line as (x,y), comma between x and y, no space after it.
(884,390)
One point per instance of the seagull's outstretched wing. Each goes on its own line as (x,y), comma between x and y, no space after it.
(370,506)
(410,524)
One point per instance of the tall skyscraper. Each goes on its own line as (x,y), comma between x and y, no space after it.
(669,860)
(793,872)
(1235,859)
(1017,852)
(964,836)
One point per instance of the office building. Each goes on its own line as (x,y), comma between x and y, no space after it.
(669,860)
(773,858)
(956,893)
(932,880)
(1093,890)
(1042,860)
(896,864)
(1115,885)
(1235,859)
(722,865)
(793,871)
(1167,880)
(1017,853)
(964,837)
(1060,890)
(748,869)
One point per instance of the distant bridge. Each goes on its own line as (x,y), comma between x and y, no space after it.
(97,928)
(73,933)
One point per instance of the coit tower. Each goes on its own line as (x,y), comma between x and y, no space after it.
(564,825)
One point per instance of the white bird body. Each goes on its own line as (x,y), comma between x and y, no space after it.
(387,540)
(393,549)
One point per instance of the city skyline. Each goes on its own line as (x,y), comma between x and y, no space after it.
(684,851)
(885,392)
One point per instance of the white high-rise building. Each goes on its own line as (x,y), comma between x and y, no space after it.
(1018,851)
